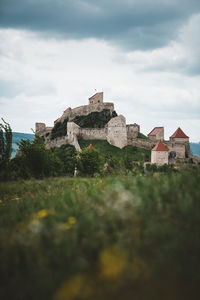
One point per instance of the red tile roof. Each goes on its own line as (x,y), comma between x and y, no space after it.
(155,130)
(179,134)
(159,147)
(95,95)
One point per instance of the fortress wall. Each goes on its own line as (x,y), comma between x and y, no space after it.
(141,143)
(132,130)
(93,133)
(84,110)
(116,132)
(179,140)
(57,142)
(179,148)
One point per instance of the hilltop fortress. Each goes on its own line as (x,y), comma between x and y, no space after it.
(99,121)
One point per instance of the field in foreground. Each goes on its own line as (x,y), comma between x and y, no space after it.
(101,238)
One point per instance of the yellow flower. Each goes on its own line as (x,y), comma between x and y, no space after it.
(156,175)
(42,213)
(64,226)
(112,263)
(71,220)
(16,199)
(1,201)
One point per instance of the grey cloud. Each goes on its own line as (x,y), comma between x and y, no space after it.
(136,24)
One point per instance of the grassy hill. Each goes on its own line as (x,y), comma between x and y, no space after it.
(132,152)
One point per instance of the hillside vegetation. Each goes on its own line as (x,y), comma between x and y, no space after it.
(106,150)
(133,237)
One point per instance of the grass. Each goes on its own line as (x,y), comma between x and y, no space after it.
(134,153)
(101,238)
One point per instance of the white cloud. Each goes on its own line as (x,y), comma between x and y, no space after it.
(147,87)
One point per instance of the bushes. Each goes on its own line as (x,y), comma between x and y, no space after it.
(59,129)
(35,161)
(95,119)
(89,162)
(67,154)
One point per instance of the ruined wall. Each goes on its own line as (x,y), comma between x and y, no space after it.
(159,157)
(141,143)
(85,110)
(132,130)
(117,135)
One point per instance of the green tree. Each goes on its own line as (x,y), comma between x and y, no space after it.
(5,144)
(35,160)
(89,162)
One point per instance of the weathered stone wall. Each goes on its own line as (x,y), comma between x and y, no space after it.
(179,148)
(141,143)
(159,157)
(93,133)
(57,142)
(117,134)
(85,110)
(179,140)
(132,130)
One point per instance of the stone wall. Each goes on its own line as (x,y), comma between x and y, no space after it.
(141,143)
(132,130)
(179,148)
(179,140)
(159,157)
(85,110)
(93,133)
(117,134)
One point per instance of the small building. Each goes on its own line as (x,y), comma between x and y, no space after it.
(157,134)
(179,136)
(96,98)
(159,154)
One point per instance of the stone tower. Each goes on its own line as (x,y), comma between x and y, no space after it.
(159,154)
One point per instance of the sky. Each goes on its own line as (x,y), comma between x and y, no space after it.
(143,54)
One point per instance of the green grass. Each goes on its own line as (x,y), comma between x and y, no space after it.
(142,136)
(101,238)
(134,153)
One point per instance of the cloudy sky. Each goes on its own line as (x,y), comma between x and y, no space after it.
(143,54)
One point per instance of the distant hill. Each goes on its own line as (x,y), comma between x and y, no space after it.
(195,148)
(17,136)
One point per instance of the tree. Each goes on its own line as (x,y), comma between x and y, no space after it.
(5,144)
(89,161)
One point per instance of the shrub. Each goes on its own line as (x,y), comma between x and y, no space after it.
(89,162)
(67,154)
(59,129)
(35,161)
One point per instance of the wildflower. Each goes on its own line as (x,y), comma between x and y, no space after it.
(112,263)
(71,220)
(74,288)
(42,213)
(64,226)
(155,175)
(15,199)
(1,201)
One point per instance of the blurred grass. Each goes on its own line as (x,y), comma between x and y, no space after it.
(101,238)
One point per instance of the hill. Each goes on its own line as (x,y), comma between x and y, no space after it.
(17,136)
(195,148)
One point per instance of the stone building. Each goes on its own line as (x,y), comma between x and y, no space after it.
(156,134)
(159,154)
